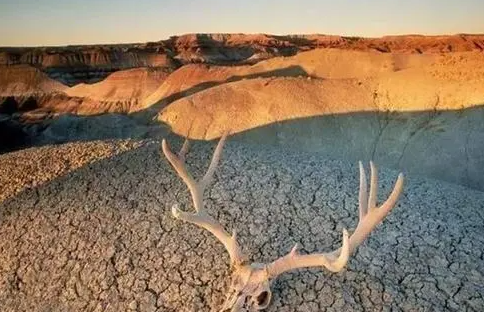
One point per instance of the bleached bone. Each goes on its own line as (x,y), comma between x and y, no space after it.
(200,217)
(250,288)
(370,217)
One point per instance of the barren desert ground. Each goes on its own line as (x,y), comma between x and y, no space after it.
(86,191)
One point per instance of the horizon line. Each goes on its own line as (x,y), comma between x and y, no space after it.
(242,33)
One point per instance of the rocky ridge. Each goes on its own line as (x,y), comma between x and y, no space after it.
(396,107)
(88,64)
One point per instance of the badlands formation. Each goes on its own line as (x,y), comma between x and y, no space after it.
(85,206)
(411,102)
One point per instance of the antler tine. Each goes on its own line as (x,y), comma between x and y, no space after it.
(294,260)
(207,178)
(179,165)
(369,217)
(362,195)
(374,215)
(373,185)
(200,217)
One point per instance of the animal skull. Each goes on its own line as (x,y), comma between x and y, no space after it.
(249,290)
(250,286)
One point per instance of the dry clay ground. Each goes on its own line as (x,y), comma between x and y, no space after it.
(92,231)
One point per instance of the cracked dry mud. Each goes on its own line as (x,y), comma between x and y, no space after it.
(101,237)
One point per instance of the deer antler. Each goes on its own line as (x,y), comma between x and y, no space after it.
(369,217)
(200,217)
(250,287)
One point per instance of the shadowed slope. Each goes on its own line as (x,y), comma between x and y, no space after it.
(445,145)
(210,99)
(425,119)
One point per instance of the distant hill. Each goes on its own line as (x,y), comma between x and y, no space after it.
(92,63)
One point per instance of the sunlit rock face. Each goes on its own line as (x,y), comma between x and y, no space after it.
(25,80)
(394,99)
(413,112)
(88,64)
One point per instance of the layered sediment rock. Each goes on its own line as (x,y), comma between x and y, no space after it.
(120,92)
(88,64)
(26,89)
(74,64)
(25,80)
(395,99)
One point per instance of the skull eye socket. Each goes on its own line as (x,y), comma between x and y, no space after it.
(263,299)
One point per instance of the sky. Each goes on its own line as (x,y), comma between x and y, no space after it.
(63,22)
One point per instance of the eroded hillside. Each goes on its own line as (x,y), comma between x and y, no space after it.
(373,83)
(88,64)
(398,100)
